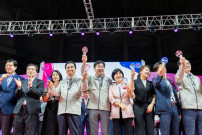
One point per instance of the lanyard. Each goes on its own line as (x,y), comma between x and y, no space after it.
(120,90)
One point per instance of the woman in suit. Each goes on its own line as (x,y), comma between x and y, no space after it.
(122,111)
(50,126)
(144,103)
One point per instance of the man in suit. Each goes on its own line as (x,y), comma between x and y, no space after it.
(84,114)
(190,91)
(167,103)
(7,96)
(28,107)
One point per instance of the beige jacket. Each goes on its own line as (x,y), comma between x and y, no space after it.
(70,100)
(189,97)
(99,97)
(114,96)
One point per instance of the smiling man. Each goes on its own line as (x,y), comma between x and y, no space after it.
(98,106)
(190,91)
(167,104)
(7,94)
(28,106)
(70,92)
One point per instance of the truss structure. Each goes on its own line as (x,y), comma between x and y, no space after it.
(89,9)
(145,23)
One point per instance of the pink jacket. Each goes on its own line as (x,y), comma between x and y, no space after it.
(114,95)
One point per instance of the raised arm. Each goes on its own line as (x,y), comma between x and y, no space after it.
(180,73)
(84,85)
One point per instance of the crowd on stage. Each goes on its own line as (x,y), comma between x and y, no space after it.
(68,105)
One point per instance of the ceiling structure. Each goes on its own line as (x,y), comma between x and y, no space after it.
(118,47)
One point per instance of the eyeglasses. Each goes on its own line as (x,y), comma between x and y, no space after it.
(9,65)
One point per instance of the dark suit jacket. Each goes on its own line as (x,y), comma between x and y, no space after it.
(143,95)
(32,96)
(7,95)
(84,110)
(163,102)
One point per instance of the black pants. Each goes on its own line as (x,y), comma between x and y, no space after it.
(25,123)
(125,124)
(143,121)
(70,121)
(50,125)
(5,123)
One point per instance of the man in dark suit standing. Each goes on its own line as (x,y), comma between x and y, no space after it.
(7,95)
(167,103)
(84,114)
(28,107)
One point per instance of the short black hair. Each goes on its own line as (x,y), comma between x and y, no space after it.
(156,66)
(99,62)
(31,64)
(15,63)
(58,72)
(115,71)
(68,62)
(86,91)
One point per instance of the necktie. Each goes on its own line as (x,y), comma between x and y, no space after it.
(69,83)
(192,81)
(9,79)
(120,91)
(86,102)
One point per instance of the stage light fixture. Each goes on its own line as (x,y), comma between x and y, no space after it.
(152,29)
(196,28)
(12,35)
(51,33)
(111,31)
(68,33)
(97,32)
(130,31)
(82,33)
(175,29)
(30,33)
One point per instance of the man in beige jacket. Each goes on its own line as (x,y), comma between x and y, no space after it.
(190,92)
(70,92)
(98,106)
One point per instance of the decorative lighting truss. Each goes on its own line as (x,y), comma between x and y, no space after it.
(89,9)
(168,22)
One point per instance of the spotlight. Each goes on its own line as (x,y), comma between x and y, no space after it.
(51,34)
(175,29)
(97,32)
(152,29)
(196,28)
(130,31)
(82,33)
(111,31)
(12,35)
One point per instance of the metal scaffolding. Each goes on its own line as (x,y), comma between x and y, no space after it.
(145,23)
(89,9)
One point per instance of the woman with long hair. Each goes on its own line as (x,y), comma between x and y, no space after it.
(50,126)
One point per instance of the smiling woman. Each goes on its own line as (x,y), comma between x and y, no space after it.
(144,102)
(119,97)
